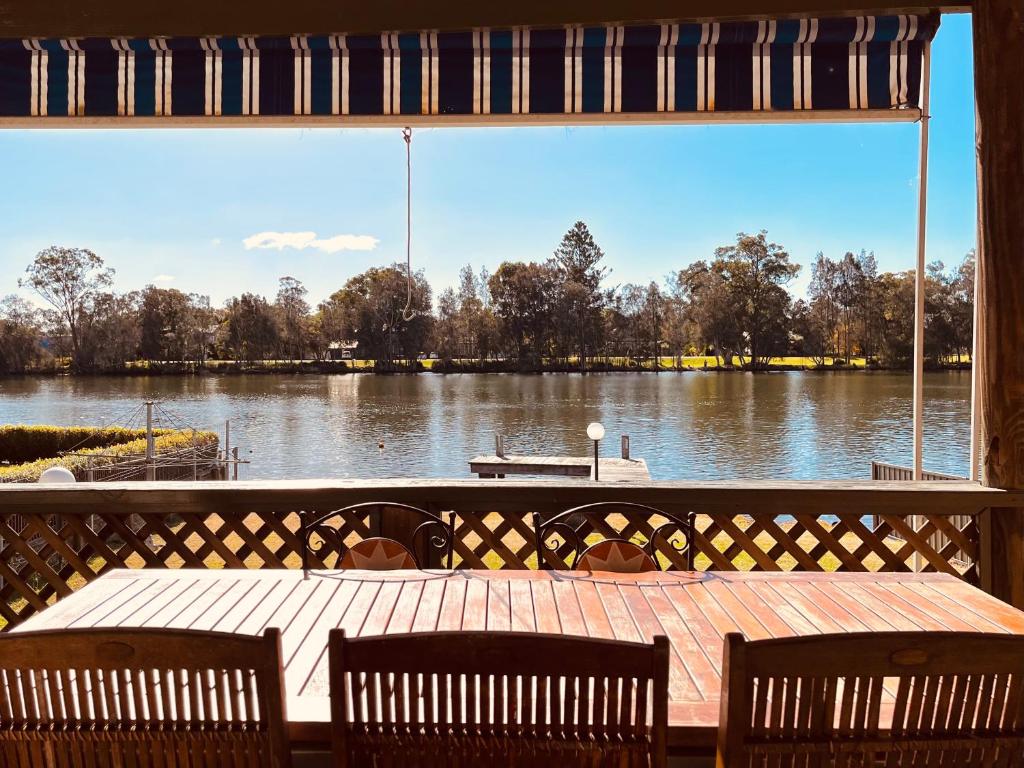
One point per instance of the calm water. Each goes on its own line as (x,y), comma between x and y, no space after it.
(688,425)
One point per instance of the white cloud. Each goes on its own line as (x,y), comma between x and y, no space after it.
(215,241)
(163,279)
(302,240)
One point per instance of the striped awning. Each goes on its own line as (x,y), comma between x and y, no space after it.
(753,70)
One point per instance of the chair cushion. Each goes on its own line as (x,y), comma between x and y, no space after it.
(617,556)
(378,554)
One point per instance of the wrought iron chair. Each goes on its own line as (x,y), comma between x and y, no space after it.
(440,699)
(565,535)
(108,698)
(322,540)
(872,698)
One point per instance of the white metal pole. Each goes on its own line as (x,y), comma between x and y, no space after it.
(976,355)
(922,217)
(150,446)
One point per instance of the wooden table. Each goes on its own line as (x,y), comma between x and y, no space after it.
(694,610)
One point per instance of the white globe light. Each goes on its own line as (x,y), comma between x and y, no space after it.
(595,431)
(57,475)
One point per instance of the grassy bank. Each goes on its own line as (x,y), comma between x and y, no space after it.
(611,364)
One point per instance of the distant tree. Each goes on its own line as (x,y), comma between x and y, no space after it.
(578,260)
(251,326)
(711,309)
(823,310)
(20,335)
(370,309)
(756,272)
(174,325)
(69,280)
(895,296)
(111,332)
(447,328)
(521,298)
(293,312)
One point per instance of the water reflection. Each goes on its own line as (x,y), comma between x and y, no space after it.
(692,425)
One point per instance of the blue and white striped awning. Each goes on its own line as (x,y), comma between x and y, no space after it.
(845,67)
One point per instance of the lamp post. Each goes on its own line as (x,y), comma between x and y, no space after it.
(595,431)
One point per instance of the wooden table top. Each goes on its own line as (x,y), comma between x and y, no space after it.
(694,610)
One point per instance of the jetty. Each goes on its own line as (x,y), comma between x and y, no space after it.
(609,470)
(624,469)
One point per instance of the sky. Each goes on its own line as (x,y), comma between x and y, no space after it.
(219,212)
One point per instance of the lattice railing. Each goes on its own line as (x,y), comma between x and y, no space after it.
(50,547)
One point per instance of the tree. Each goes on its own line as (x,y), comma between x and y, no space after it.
(69,280)
(370,308)
(756,272)
(20,335)
(110,332)
(252,330)
(710,308)
(578,259)
(521,297)
(293,311)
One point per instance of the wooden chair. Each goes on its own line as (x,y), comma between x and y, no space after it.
(324,537)
(440,699)
(109,697)
(873,698)
(561,540)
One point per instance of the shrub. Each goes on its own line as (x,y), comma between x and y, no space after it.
(105,447)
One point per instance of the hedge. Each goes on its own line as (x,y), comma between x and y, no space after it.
(107,447)
(21,443)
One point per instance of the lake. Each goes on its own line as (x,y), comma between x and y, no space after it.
(798,425)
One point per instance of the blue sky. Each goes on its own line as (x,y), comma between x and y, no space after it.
(175,207)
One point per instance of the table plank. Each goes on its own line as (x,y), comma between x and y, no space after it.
(694,611)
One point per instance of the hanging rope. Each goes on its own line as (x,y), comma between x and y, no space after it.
(407,313)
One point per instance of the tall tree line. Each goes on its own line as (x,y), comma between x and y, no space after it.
(735,307)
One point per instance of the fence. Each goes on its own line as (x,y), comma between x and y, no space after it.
(888,472)
(812,526)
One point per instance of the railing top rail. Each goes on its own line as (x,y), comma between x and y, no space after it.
(776,496)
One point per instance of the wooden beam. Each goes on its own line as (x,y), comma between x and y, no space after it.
(129,18)
(999,93)
(782,497)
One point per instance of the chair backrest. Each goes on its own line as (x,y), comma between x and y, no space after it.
(615,555)
(497,698)
(112,697)
(873,698)
(562,539)
(327,538)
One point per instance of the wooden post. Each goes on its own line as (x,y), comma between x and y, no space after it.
(999,95)
(625,446)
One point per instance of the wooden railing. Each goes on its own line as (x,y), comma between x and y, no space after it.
(55,539)
(883,471)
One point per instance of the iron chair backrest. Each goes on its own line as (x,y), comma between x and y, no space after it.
(497,698)
(433,532)
(118,697)
(566,533)
(873,698)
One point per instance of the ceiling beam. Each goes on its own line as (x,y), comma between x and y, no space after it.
(187,18)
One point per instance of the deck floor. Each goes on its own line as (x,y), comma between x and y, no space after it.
(694,610)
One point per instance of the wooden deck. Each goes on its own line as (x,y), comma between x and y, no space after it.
(694,610)
(612,470)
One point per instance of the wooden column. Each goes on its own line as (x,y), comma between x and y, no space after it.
(999,91)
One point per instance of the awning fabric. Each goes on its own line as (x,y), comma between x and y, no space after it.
(836,64)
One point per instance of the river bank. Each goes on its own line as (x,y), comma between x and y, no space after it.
(615,365)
